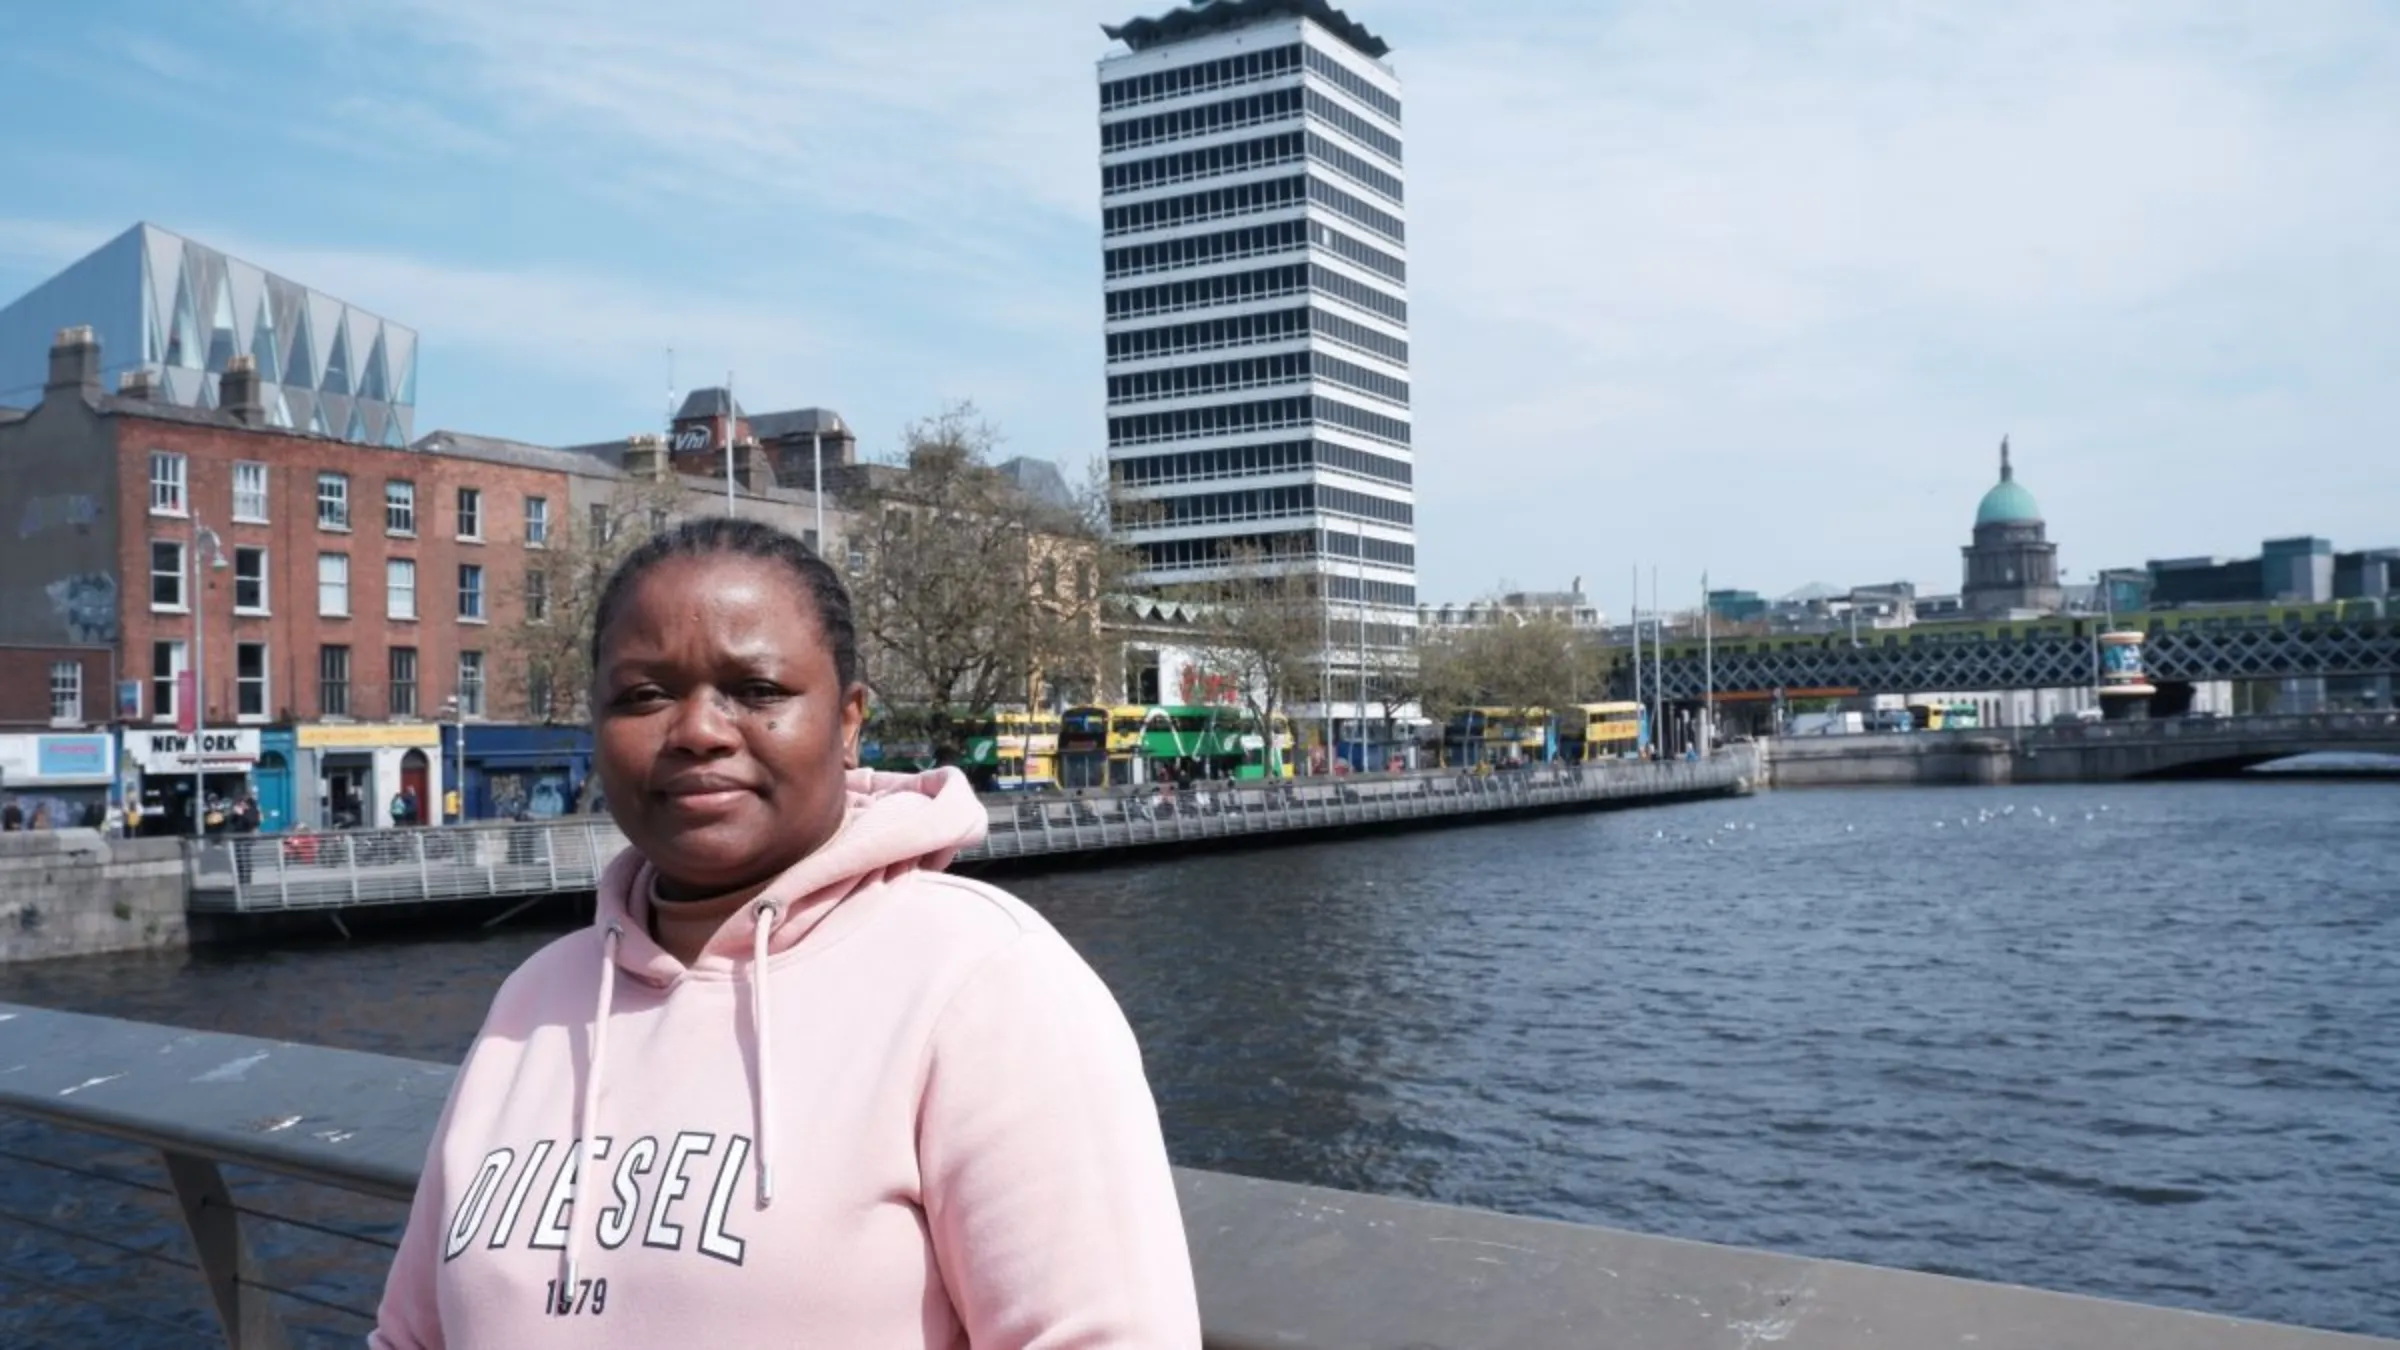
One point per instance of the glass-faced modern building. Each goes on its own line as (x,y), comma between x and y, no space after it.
(178,310)
(1256,271)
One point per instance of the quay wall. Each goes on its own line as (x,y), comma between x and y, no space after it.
(1908,759)
(77,893)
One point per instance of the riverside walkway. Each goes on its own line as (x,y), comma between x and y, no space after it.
(350,869)
(164,1237)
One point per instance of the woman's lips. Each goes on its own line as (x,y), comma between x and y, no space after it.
(704,796)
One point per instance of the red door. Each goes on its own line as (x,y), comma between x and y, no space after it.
(412,782)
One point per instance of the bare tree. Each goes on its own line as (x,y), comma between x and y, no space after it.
(1517,667)
(1261,630)
(972,594)
(547,658)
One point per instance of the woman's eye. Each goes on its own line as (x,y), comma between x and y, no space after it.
(638,696)
(759,691)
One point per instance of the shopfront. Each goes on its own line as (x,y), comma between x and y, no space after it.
(271,780)
(356,773)
(167,764)
(528,771)
(58,780)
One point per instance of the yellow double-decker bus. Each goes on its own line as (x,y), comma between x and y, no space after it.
(1025,749)
(1100,746)
(1589,732)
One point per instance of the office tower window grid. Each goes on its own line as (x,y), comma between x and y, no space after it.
(1252,203)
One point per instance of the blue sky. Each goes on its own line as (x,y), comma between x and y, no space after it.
(1753,286)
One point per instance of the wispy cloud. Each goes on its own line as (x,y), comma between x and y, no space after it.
(1748,286)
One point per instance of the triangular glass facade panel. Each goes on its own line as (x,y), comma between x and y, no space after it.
(279,413)
(316,423)
(302,368)
(183,330)
(262,347)
(406,393)
(222,343)
(357,430)
(391,431)
(337,362)
(371,381)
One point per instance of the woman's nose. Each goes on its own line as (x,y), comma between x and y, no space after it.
(704,724)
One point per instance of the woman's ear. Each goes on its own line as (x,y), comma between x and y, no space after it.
(854,723)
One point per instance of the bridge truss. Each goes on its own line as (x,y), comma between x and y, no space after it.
(1930,661)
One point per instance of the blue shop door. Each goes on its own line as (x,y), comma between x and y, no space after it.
(271,780)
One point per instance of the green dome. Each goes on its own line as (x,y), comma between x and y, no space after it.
(2007,504)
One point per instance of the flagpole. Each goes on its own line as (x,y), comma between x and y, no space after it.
(1641,743)
(1708,671)
(730,406)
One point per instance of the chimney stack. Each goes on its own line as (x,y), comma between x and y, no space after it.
(238,392)
(646,457)
(753,468)
(136,383)
(75,360)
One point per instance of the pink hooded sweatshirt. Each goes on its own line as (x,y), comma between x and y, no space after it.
(885,1107)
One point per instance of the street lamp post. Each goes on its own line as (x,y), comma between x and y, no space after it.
(216,556)
(456,706)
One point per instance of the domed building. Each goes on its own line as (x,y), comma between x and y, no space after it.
(2012,567)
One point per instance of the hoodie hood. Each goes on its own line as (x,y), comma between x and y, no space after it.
(893,823)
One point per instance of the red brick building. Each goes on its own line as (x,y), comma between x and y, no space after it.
(311,583)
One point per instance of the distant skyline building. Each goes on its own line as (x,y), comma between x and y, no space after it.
(1255,264)
(2011,567)
(172,312)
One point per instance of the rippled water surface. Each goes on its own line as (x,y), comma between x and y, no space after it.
(2134,1041)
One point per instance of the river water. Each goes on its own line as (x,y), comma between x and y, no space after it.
(2137,1041)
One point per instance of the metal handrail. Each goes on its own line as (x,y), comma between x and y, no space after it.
(346,869)
(1293,1267)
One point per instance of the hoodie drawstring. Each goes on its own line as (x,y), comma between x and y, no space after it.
(588,1113)
(763,912)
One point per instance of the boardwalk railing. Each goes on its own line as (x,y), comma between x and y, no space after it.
(345,869)
(1290,1267)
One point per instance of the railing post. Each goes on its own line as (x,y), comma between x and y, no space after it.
(416,841)
(350,863)
(226,1265)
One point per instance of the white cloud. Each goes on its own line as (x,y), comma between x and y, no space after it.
(1749,286)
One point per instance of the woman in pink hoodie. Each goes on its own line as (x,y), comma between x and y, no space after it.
(795,1086)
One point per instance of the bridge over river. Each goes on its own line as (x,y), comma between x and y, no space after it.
(2082,752)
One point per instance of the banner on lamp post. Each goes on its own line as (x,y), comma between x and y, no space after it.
(187,701)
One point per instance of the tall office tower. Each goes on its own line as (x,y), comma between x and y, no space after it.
(1256,271)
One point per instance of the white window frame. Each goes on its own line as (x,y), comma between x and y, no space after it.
(250,492)
(266,594)
(339,499)
(66,693)
(405,503)
(182,603)
(394,569)
(392,683)
(343,583)
(470,684)
(481,612)
(537,522)
(170,484)
(265,683)
(179,660)
(537,596)
(470,514)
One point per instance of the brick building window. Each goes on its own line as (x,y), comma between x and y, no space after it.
(166,662)
(399,507)
(249,580)
(400,588)
(537,696)
(470,513)
(333,585)
(470,684)
(470,593)
(167,496)
(333,681)
(250,679)
(250,492)
(537,522)
(166,574)
(401,679)
(537,597)
(604,529)
(333,501)
(66,693)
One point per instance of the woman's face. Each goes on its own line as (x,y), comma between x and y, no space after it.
(723,729)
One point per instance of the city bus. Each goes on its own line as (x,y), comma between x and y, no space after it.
(1099,746)
(1945,715)
(1498,735)
(1590,732)
(1024,749)
(1285,744)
